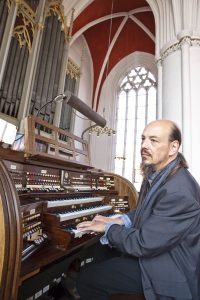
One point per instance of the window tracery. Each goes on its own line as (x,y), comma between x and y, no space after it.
(136,108)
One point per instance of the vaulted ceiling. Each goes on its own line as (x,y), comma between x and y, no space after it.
(112,30)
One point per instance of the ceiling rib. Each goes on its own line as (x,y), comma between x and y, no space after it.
(107,57)
(143,27)
(107,17)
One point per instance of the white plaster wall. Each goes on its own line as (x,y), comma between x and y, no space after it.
(80,54)
(102,147)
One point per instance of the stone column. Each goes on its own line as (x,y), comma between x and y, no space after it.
(181,84)
(186,97)
(159,90)
(178,47)
(171,84)
(194,106)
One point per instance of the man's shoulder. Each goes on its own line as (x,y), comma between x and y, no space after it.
(183,180)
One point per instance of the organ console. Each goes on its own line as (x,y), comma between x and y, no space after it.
(45,190)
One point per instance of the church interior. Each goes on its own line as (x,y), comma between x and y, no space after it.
(79,80)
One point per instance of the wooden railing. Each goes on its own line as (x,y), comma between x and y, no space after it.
(48,141)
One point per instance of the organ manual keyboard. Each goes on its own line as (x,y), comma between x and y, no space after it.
(45,191)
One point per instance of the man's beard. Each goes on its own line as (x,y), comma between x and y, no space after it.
(146,169)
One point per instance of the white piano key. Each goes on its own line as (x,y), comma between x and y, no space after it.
(78,233)
(78,187)
(84,212)
(64,202)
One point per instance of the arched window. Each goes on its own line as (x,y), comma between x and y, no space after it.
(136,108)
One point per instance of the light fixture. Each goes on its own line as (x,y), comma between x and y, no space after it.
(101,130)
(7,132)
(79,105)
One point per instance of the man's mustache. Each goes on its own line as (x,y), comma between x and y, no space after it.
(145,153)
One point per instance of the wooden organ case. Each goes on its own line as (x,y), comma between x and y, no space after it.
(47,189)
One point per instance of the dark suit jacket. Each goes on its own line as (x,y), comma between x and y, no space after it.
(166,238)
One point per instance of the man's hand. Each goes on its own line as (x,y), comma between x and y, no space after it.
(98,224)
(92,226)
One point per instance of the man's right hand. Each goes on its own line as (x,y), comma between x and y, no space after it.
(102,219)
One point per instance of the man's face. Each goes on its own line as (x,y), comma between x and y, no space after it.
(156,150)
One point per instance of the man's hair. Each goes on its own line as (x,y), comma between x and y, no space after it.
(146,170)
(175,134)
